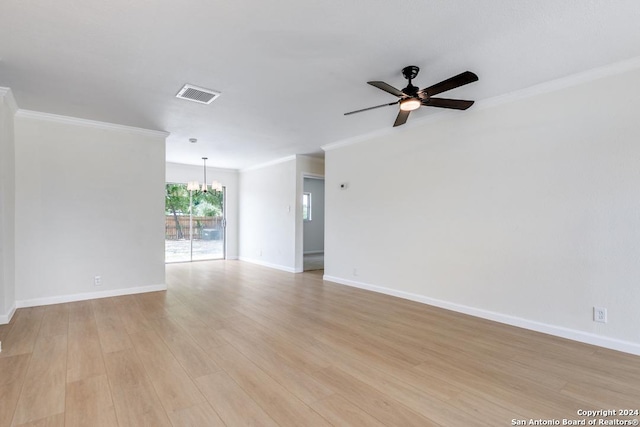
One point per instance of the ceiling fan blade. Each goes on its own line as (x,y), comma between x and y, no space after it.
(371,108)
(402,118)
(455,104)
(387,88)
(451,83)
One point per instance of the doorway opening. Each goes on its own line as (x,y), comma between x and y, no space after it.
(313,223)
(194,224)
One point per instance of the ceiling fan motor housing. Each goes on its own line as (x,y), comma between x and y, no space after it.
(411,91)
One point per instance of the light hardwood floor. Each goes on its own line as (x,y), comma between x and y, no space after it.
(234,344)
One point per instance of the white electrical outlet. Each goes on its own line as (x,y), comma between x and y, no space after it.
(355,272)
(600,314)
(97,281)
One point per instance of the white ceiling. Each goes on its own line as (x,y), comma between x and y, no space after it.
(288,69)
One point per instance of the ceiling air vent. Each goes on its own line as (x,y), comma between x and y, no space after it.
(197,94)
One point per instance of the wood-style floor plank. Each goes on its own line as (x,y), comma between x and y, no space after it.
(232,403)
(12,372)
(200,415)
(21,337)
(85,354)
(283,350)
(80,311)
(113,336)
(172,384)
(433,405)
(56,420)
(235,344)
(202,333)
(374,402)
(185,349)
(55,320)
(132,318)
(4,329)
(43,392)
(88,402)
(285,408)
(340,412)
(134,398)
(298,382)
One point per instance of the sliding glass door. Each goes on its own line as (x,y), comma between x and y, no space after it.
(194,224)
(177,238)
(208,225)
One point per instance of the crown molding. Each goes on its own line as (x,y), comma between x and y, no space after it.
(29,114)
(439,115)
(199,167)
(9,99)
(361,138)
(313,159)
(270,163)
(282,160)
(562,83)
(531,91)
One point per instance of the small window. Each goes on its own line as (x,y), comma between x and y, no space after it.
(306,206)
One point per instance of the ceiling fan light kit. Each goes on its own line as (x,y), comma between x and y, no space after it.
(412,98)
(410,104)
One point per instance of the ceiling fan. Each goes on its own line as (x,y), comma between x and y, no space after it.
(412,98)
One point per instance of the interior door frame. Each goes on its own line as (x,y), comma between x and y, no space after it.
(224,222)
(306,175)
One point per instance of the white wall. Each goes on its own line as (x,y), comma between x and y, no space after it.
(179,173)
(7,206)
(270,211)
(267,214)
(526,212)
(89,201)
(314,229)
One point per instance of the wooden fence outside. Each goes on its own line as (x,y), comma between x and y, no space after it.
(212,227)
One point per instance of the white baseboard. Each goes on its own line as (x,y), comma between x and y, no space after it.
(571,334)
(314,252)
(268,264)
(6,318)
(232,258)
(89,295)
